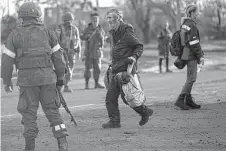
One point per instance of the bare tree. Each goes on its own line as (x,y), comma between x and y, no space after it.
(141,9)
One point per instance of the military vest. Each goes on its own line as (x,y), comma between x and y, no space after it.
(66,37)
(36,50)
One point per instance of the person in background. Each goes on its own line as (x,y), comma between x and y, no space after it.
(68,36)
(93,36)
(163,46)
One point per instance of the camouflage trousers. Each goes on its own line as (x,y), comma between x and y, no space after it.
(28,105)
(71,63)
(96,65)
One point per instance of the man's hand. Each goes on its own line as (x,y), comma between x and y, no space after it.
(8,88)
(201,61)
(132,59)
(83,58)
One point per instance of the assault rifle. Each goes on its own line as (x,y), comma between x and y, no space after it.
(64,104)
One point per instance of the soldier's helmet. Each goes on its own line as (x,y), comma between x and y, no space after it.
(190,8)
(68,16)
(29,9)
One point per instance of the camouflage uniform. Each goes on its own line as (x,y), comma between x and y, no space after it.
(69,40)
(40,64)
(94,41)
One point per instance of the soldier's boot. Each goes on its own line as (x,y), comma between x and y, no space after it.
(62,143)
(29,144)
(190,102)
(87,83)
(181,102)
(67,89)
(98,85)
(114,115)
(144,112)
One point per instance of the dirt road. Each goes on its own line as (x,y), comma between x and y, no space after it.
(169,128)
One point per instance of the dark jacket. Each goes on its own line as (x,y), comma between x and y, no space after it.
(190,39)
(163,42)
(125,44)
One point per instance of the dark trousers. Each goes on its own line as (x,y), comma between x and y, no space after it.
(112,100)
(160,63)
(191,76)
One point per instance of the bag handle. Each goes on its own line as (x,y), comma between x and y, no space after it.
(130,68)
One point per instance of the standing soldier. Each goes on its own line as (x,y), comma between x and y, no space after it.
(41,67)
(192,55)
(68,36)
(94,41)
(126,50)
(163,46)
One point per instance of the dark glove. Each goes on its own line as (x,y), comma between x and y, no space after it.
(60,83)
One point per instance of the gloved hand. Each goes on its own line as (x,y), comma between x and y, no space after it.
(201,61)
(8,88)
(60,83)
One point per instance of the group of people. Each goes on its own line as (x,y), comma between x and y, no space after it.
(69,39)
(42,57)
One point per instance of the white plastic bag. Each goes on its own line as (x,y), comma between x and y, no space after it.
(133,92)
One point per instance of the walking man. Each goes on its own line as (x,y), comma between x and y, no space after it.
(126,50)
(192,55)
(93,36)
(68,36)
(41,67)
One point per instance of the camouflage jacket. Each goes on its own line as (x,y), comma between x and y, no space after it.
(94,41)
(35,51)
(68,37)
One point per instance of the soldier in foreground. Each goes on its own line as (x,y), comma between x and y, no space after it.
(126,50)
(93,36)
(192,55)
(41,66)
(68,36)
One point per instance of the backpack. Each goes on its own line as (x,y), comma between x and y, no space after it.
(176,49)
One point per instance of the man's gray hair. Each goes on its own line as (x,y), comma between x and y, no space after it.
(116,11)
